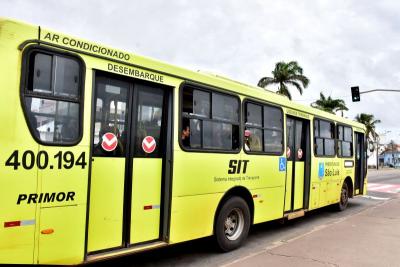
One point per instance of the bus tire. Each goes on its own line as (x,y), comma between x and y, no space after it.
(232,224)
(344,197)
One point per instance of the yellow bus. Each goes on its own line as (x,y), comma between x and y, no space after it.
(105,153)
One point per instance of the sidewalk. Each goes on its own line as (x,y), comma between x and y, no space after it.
(369,238)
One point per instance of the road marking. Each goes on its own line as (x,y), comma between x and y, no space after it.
(376,198)
(385,188)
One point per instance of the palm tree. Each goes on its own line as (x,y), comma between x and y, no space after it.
(369,121)
(286,74)
(329,104)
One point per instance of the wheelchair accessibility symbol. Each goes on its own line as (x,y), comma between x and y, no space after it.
(282,164)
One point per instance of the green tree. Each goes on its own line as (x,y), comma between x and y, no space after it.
(369,121)
(286,74)
(329,104)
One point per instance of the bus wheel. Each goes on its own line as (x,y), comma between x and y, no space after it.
(344,198)
(233,224)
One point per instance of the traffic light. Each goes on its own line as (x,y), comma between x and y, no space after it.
(355,94)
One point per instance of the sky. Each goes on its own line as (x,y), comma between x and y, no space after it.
(339,44)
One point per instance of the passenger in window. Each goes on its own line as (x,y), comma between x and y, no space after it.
(247,134)
(185,134)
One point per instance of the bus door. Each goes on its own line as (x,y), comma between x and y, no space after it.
(360,162)
(298,162)
(130,122)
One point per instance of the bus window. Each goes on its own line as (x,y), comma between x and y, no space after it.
(213,119)
(52,97)
(345,141)
(324,138)
(264,128)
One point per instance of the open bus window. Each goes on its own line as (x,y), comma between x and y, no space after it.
(52,97)
(211,118)
(264,128)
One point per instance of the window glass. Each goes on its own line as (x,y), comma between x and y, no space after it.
(340,132)
(201,103)
(253,113)
(111,115)
(225,107)
(316,128)
(195,133)
(53,121)
(254,142)
(42,73)
(272,141)
(272,117)
(149,118)
(319,146)
(329,145)
(66,77)
(339,148)
(325,129)
(347,134)
(217,135)
(346,149)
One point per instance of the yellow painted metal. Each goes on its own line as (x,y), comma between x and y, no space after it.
(288,195)
(268,204)
(106,203)
(314,196)
(299,185)
(56,248)
(146,188)
(16,243)
(193,216)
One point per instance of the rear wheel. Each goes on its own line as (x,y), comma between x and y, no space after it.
(232,224)
(344,197)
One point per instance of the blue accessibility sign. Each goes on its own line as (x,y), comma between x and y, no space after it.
(282,164)
(321,170)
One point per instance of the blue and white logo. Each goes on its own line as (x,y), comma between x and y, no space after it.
(321,170)
(282,164)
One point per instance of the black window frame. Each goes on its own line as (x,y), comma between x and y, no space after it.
(262,128)
(340,141)
(324,138)
(25,92)
(210,90)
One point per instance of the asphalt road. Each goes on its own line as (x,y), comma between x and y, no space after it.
(202,252)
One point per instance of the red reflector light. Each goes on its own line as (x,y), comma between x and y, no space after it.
(149,207)
(12,224)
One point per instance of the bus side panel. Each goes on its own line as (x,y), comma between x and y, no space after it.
(66,217)
(17,220)
(193,216)
(266,181)
(63,212)
(200,180)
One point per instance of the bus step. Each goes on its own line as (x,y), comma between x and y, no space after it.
(295,214)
